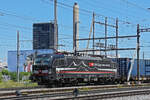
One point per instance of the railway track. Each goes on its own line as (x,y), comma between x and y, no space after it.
(20,88)
(49,90)
(107,95)
(66,92)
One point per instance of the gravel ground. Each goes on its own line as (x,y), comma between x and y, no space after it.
(138,97)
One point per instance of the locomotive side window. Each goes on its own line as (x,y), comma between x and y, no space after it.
(62,62)
(59,62)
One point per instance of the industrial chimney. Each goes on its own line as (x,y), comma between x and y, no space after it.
(75,26)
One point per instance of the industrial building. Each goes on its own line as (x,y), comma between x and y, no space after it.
(25,59)
(3,65)
(44,36)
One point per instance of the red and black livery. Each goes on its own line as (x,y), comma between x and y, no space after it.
(60,69)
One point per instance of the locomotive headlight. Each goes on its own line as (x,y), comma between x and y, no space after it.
(49,71)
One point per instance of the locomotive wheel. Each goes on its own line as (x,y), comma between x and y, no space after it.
(51,86)
(40,83)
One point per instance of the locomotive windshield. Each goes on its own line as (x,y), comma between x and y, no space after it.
(43,60)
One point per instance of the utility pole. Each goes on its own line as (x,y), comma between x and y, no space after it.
(55,26)
(144,62)
(18,56)
(138,52)
(143,56)
(90,34)
(105,36)
(116,37)
(93,32)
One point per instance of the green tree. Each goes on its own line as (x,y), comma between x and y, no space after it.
(0,76)
(5,72)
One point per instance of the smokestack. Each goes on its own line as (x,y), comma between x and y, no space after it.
(75,26)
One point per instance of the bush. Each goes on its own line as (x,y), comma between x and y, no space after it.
(26,74)
(13,76)
(11,84)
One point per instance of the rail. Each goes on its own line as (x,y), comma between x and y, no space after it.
(62,92)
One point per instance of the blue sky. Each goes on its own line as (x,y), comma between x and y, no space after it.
(21,14)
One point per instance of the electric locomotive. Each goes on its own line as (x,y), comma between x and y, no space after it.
(60,69)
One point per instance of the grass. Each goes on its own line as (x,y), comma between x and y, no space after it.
(12,84)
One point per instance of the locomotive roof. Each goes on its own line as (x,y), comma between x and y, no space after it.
(87,58)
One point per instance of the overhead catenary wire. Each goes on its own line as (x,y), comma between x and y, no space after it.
(28,18)
(14,25)
(90,12)
(66,5)
(123,22)
(9,13)
(87,11)
(103,7)
(21,27)
(135,5)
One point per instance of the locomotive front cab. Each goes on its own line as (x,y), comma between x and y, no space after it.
(43,71)
(42,67)
(42,63)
